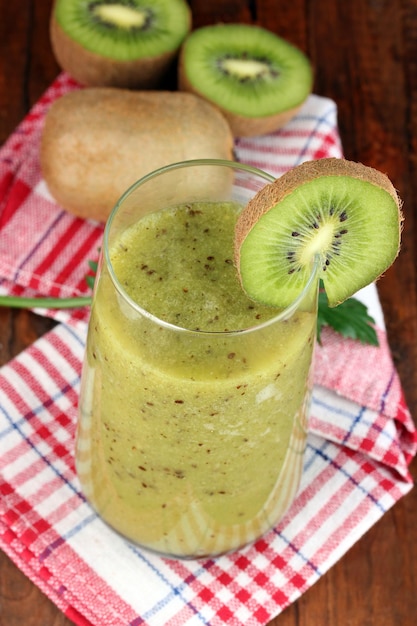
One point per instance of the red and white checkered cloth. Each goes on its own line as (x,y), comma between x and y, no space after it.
(361,440)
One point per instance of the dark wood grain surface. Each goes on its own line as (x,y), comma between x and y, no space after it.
(365,58)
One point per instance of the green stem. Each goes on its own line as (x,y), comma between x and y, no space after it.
(44,303)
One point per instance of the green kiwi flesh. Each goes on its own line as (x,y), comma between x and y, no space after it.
(345,214)
(124,30)
(121,43)
(245,70)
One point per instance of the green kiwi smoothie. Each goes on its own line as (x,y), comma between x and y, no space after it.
(193,404)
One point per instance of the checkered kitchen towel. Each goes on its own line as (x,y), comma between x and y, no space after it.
(361,442)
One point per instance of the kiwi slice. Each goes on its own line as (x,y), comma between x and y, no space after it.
(257,79)
(118,43)
(345,214)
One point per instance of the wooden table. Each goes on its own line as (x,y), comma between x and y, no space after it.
(365,58)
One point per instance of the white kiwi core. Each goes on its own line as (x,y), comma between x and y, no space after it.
(245,68)
(121,16)
(320,241)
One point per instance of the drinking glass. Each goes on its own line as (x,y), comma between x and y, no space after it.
(190,441)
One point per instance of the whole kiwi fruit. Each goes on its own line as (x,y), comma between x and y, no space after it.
(98,141)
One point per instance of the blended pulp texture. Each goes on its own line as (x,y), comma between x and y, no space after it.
(190,442)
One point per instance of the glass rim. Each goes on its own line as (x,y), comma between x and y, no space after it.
(281,315)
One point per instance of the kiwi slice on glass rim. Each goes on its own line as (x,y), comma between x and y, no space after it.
(118,43)
(257,79)
(346,214)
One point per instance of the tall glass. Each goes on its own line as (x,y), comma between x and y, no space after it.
(190,440)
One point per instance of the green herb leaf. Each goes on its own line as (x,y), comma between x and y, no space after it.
(349,319)
(23,302)
(90,279)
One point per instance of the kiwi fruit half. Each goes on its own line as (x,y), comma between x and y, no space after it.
(344,213)
(256,78)
(118,43)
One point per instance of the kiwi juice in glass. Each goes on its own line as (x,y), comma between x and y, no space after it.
(194,398)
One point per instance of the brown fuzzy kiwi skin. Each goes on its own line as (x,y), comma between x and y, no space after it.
(98,141)
(241,126)
(94,70)
(275,192)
